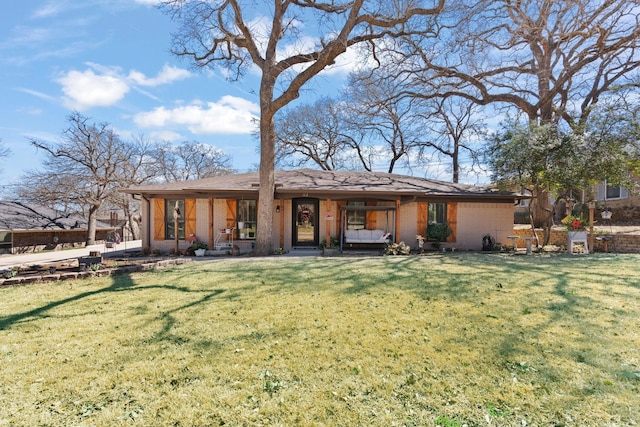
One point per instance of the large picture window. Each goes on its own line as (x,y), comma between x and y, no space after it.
(170,205)
(247,219)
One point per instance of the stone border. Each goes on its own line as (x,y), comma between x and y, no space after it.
(621,242)
(75,275)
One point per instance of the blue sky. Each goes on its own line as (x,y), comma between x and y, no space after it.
(110,60)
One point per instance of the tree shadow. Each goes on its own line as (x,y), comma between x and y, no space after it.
(120,283)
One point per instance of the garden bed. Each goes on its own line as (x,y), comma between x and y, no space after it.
(74,269)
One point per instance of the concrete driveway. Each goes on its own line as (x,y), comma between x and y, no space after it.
(9,261)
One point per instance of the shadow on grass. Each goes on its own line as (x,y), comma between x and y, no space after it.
(562,287)
(120,283)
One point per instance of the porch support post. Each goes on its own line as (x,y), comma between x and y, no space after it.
(281,221)
(327,224)
(592,206)
(396,220)
(210,222)
(343,215)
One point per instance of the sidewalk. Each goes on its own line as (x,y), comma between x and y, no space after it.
(9,261)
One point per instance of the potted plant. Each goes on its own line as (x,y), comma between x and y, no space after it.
(330,248)
(197,248)
(576,226)
(438,233)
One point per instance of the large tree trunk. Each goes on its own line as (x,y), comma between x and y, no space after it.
(264,232)
(91,225)
(542,213)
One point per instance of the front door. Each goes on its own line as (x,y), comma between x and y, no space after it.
(305,222)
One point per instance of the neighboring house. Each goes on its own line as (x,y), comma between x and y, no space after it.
(620,201)
(118,221)
(27,227)
(311,206)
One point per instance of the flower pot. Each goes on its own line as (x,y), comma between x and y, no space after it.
(578,235)
(199,252)
(330,251)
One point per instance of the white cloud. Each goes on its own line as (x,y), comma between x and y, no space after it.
(102,86)
(166,135)
(37,94)
(230,115)
(168,74)
(50,9)
(85,89)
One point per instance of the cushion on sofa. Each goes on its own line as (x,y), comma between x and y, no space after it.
(366,236)
(351,235)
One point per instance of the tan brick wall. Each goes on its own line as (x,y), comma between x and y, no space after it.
(622,243)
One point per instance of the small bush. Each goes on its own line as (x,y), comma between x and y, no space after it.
(397,249)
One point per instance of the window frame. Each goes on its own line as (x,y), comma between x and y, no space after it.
(353,216)
(440,212)
(169,206)
(251,210)
(615,188)
(437,212)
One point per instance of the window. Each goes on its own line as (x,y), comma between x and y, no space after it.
(437,213)
(170,205)
(5,242)
(247,217)
(356,220)
(437,227)
(613,191)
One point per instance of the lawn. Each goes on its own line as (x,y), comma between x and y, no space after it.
(446,339)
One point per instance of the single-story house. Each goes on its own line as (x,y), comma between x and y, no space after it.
(26,227)
(312,206)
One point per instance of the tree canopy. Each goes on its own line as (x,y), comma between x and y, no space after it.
(551,60)
(86,169)
(543,159)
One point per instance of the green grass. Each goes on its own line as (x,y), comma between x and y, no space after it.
(452,340)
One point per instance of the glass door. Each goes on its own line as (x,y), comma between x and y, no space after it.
(305,222)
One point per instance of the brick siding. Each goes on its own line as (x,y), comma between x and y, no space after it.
(621,243)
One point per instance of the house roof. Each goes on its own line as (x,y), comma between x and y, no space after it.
(15,216)
(317,183)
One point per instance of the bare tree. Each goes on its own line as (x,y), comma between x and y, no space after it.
(190,160)
(140,168)
(456,126)
(4,151)
(219,32)
(551,60)
(372,126)
(392,124)
(82,171)
(319,134)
